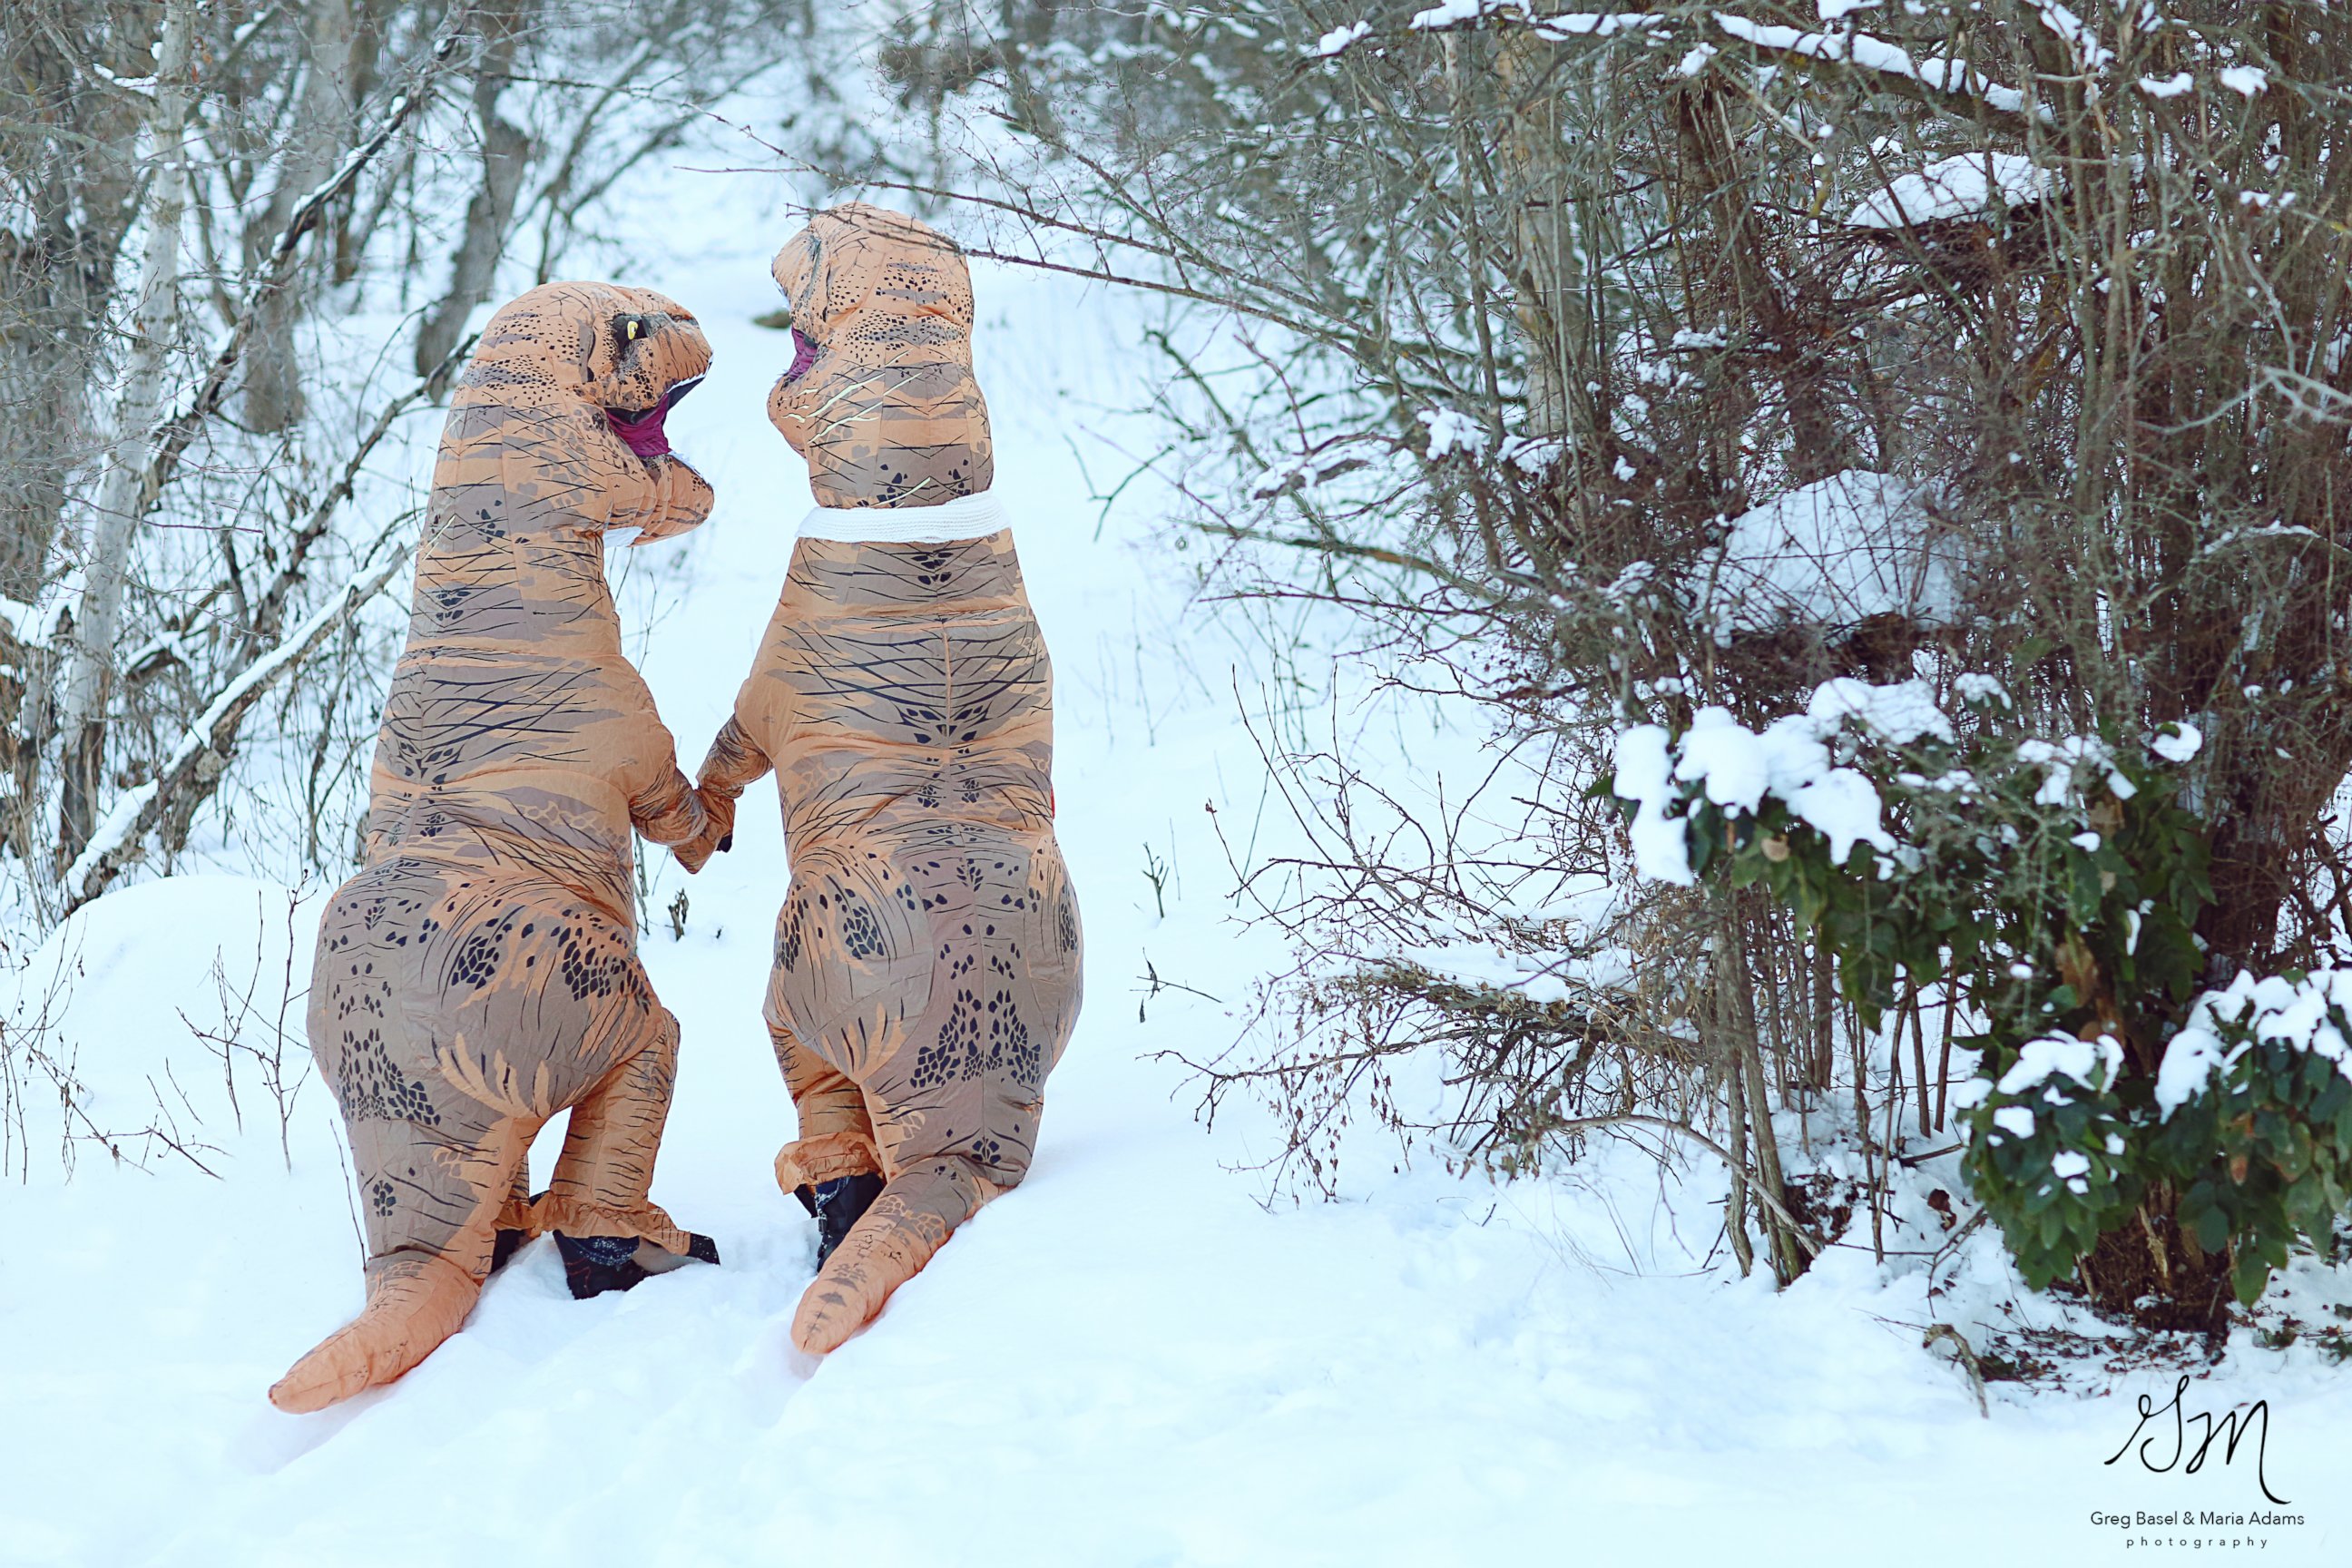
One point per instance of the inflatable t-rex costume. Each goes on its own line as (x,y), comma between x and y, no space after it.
(926,973)
(481,973)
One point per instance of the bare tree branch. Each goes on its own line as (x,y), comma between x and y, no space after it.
(196,764)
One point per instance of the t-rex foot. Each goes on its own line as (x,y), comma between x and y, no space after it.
(414,1304)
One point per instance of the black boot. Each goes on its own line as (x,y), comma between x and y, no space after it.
(505,1244)
(595,1264)
(838,1205)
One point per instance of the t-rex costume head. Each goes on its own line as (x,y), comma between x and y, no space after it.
(880,398)
(617,361)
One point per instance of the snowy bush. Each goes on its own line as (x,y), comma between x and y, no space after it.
(2052,1151)
(2055,883)
(2252,1116)
(2056,878)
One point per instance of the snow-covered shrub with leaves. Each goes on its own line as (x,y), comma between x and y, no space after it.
(2253,1119)
(2054,885)
(2057,881)
(2050,1151)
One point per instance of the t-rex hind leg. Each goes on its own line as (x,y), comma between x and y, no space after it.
(956,1094)
(611,1233)
(836,1134)
(514,1224)
(415,1303)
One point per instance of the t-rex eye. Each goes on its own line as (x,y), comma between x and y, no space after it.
(632,328)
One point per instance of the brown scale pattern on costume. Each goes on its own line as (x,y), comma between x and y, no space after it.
(480,974)
(927,958)
(887,412)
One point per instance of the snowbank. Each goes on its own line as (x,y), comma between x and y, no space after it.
(1831,554)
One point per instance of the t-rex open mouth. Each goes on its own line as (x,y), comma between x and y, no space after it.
(804,352)
(642,432)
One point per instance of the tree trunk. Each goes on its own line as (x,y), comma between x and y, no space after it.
(322,131)
(1542,243)
(1746,291)
(506,150)
(71,154)
(45,363)
(90,669)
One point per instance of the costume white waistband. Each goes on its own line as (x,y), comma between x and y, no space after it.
(964,517)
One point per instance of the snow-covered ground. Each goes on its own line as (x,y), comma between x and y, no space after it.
(1132,1359)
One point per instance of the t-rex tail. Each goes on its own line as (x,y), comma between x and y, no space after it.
(911,1220)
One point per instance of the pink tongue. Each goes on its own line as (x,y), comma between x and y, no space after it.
(643,435)
(804,352)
